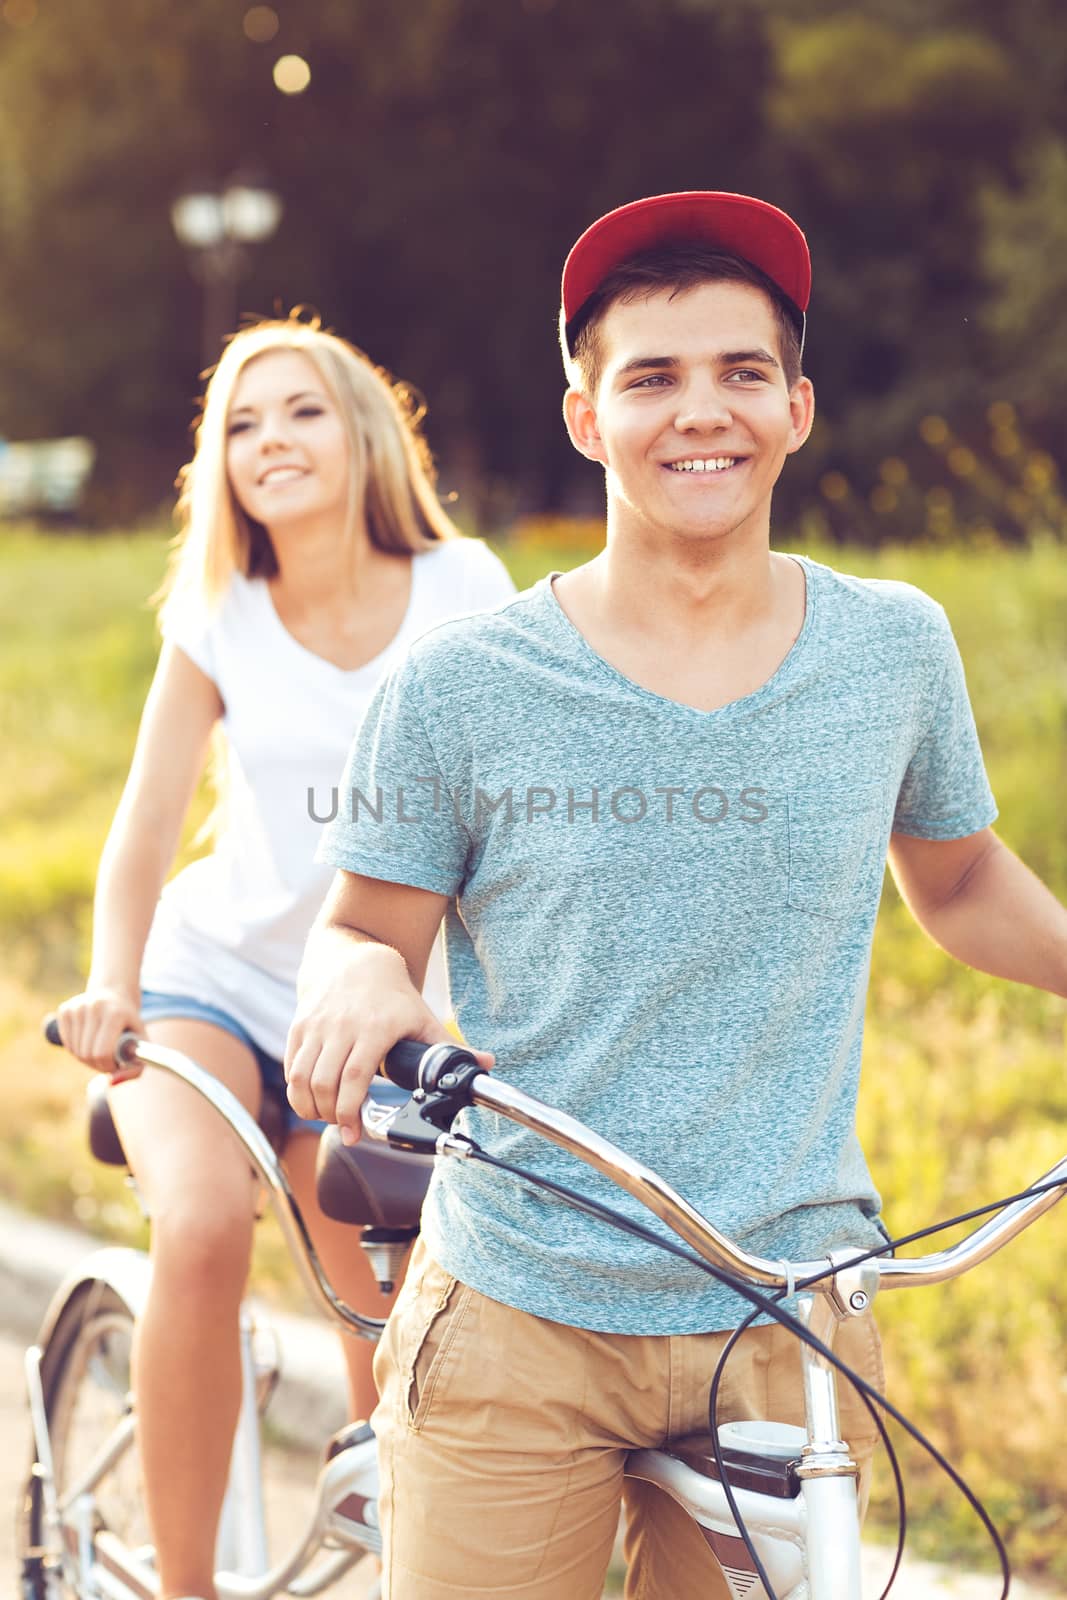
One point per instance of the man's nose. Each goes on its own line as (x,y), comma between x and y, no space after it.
(702,404)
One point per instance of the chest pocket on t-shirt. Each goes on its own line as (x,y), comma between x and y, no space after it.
(836,847)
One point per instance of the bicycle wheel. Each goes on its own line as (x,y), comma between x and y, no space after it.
(85,1375)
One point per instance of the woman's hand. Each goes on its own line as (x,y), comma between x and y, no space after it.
(90,1024)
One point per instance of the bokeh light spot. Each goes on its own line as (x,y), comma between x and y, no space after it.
(883,499)
(291,74)
(894,471)
(834,486)
(1006,442)
(1040,471)
(933,430)
(962,461)
(261,24)
(19,13)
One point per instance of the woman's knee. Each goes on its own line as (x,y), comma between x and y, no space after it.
(203,1249)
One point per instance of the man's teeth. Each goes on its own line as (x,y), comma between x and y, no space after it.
(712,464)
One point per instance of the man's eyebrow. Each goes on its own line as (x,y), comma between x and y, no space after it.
(747,358)
(726,358)
(646,364)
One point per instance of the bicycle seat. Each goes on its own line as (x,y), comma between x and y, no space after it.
(771,1469)
(106,1146)
(369,1183)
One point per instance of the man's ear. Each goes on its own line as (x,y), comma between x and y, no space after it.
(580,417)
(802,413)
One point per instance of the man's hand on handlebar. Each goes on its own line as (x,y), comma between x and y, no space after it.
(342,1032)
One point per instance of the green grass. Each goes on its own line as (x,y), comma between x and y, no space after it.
(965,1092)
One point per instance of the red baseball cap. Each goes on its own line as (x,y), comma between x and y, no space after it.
(733,223)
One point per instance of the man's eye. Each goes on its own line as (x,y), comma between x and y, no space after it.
(747,375)
(653,381)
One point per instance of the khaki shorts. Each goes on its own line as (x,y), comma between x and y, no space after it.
(504,1437)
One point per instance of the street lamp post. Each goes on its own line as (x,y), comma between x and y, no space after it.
(218,230)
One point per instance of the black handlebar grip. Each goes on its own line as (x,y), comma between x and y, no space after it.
(51,1029)
(403,1062)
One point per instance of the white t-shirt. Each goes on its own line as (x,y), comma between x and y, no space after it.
(230,929)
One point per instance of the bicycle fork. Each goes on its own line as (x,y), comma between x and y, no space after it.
(43,1469)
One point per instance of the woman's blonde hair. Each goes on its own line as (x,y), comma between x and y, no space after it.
(390,476)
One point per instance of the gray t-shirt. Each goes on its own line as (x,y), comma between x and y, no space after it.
(660,921)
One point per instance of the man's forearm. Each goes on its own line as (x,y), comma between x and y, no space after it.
(1003,920)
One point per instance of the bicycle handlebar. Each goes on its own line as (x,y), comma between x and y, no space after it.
(414,1066)
(491,1093)
(404,1060)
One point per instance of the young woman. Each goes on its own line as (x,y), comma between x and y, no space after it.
(313,550)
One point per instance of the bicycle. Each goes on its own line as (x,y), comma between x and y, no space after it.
(778,1504)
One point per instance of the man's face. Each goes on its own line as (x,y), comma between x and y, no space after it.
(692,418)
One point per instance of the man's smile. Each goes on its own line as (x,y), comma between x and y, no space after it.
(704,464)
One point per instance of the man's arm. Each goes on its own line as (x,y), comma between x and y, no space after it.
(359,993)
(978,901)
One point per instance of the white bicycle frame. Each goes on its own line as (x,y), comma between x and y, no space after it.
(343,1524)
(808,1543)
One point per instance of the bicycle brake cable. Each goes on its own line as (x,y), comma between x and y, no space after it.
(720,1462)
(892,1245)
(770,1307)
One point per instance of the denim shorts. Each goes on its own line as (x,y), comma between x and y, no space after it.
(156,1006)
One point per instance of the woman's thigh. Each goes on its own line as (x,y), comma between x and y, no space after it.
(182,1153)
(337,1243)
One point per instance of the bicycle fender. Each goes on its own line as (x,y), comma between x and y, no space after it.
(120,1268)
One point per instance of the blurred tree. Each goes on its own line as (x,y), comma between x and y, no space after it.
(888,139)
(106,111)
(1025,256)
(444,157)
(1032,32)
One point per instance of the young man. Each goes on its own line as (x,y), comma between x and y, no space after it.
(652,800)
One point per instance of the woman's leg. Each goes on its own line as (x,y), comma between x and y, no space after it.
(346,1266)
(200,1194)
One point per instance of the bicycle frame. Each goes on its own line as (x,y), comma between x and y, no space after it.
(346,1488)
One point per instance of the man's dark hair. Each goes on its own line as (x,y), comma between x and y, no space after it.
(676,267)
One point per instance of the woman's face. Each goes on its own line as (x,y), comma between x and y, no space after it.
(286,448)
